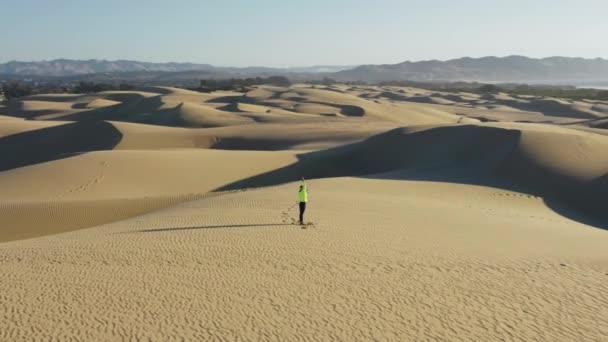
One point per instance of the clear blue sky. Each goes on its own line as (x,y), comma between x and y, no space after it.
(299,33)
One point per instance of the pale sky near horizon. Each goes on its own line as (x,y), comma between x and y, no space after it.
(300,33)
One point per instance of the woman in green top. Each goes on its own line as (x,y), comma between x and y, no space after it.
(303,198)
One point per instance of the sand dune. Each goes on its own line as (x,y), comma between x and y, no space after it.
(46,144)
(167,214)
(602,123)
(378,264)
(594,123)
(541,160)
(4,117)
(15,125)
(266,104)
(99,187)
(552,108)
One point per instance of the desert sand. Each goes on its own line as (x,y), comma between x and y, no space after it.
(166,214)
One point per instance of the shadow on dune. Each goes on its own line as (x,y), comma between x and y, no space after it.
(546,106)
(130,104)
(350,110)
(156,90)
(80,105)
(466,154)
(140,109)
(56,142)
(395,150)
(254,144)
(599,123)
(233,107)
(228,99)
(594,196)
(17,109)
(54,98)
(211,227)
(568,209)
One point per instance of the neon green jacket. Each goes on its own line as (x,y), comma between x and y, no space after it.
(303,194)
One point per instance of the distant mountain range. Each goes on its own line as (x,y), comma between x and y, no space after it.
(485,69)
(68,67)
(564,70)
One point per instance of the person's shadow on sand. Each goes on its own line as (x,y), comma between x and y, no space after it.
(213,227)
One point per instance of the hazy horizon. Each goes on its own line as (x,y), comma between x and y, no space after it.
(271,33)
(266,66)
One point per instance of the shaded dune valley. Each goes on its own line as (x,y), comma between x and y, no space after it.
(166,214)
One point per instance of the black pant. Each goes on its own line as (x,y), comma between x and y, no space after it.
(302,209)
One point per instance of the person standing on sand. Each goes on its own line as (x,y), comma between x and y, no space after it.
(302,198)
